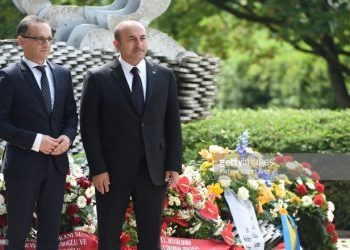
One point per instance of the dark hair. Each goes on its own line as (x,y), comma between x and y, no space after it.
(23,26)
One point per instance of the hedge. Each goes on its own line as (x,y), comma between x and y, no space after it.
(271,131)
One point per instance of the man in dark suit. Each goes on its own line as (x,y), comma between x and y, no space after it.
(130,127)
(38,119)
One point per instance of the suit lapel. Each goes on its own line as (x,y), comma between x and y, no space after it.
(29,77)
(151,79)
(119,77)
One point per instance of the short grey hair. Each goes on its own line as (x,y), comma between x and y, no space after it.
(23,26)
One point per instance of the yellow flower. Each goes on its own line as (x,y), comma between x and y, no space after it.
(215,190)
(205,166)
(278,190)
(205,154)
(295,199)
(273,167)
(259,208)
(265,195)
(235,174)
(283,211)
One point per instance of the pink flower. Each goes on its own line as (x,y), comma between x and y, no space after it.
(184,184)
(306,165)
(210,211)
(315,176)
(228,235)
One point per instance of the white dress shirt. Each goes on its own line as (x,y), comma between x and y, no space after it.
(37,75)
(129,76)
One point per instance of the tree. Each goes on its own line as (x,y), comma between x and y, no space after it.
(319,27)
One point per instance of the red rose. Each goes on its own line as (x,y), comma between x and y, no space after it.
(330,228)
(319,187)
(301,189)
(88,200)
(84,183)
(3,220)
(315,176)
(75,220)
(67,186)
(72,209)
(306,165)
(125,238)
(334,238)
(318,199)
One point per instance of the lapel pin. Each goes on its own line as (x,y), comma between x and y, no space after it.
(153,72)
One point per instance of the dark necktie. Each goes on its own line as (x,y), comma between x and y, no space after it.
(45,88)
(137,91)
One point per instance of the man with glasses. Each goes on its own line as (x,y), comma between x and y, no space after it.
(38,120)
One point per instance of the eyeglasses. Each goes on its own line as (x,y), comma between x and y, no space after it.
(40,39)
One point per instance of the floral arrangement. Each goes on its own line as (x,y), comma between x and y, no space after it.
(274,186)
(78,208)
(190,211)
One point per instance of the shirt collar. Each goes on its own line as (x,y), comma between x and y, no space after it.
(32,64)
(127,67)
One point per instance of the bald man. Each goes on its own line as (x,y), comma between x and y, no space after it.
(130,127)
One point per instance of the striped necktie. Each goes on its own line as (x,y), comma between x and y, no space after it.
(45,87)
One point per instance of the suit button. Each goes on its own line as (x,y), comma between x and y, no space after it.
(142,124)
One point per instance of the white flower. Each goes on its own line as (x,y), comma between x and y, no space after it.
(70,159)
(225,181)
(215,149)
(64,208)
(132,223)
(331,206)
(220,225)
(90,192)
(292,165)
(87,228)
(81,201)
(330,216)
(310,185)
(67,198)
(253,184)
(184,214)
(3,209)
(306,200)
(307,171)
(2,199)
(189,198)
(76,170)
(71,180)
(243,194)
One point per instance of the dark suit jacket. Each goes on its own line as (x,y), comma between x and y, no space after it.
(23,115)
(111,127)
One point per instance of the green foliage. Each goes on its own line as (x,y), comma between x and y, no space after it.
(9,18)
(271,131)
(274,75)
